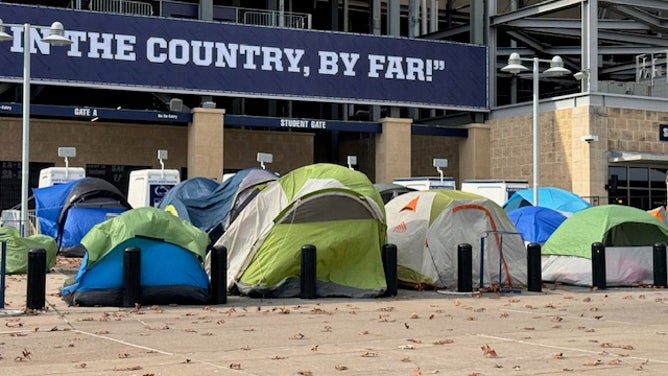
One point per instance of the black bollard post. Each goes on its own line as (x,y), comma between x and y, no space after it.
(131,277)
(3,269)
(659,261)
(308,272)
(390,268)
(464,268)
(36,290)
(534,268)
(598,275)
(219,275)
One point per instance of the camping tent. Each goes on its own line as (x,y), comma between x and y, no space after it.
(627,233)
(428,227)
(18,247)
(388,191)
(171,269)
(208,204)
(550,197)
(335,209)
(660,213)
(536,223)
(68,211)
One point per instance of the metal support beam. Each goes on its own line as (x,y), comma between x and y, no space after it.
(533,10)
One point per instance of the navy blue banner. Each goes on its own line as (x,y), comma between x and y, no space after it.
(207,58)
(95,114)
(301,124)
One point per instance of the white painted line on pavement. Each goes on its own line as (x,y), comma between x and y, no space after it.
(122,342)
(146,348)
(505,339)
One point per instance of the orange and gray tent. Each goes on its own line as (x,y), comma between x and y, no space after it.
(429,226)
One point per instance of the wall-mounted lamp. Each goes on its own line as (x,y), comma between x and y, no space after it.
(352,161)
(264,158)
(440,163)
(67,152)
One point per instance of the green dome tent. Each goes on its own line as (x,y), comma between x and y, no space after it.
(18,247)
(627,233)
(334,208)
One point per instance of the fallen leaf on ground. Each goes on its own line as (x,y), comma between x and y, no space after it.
(488,351)
(131,368)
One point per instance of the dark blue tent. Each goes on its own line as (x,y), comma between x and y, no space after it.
(536,223)
(171,255)
(68,211)
(208,204)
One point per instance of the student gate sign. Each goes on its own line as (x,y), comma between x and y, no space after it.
(212,58)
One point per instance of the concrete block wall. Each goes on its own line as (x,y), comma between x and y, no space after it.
(511,148)
(425,148)
(290,149)
(566,161)
(96,142)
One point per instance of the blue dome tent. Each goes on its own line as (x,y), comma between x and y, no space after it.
(171,272)
(68,211)
(536,223)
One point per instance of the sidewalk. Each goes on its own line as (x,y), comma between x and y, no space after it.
(563,330)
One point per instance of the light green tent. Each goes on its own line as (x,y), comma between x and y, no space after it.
(627,233)
(334,208)
(18,247)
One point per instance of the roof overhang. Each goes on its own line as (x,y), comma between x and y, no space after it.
(637,157)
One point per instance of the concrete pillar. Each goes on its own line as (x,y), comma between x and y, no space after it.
(589,162)
(393,150)
(205,143)
(474,154)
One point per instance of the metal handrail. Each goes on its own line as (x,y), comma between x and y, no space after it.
(122,6)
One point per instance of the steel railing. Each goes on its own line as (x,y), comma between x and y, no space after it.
(122,6)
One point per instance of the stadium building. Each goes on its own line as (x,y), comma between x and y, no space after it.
(395,84)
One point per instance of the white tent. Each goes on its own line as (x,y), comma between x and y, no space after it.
(428,227)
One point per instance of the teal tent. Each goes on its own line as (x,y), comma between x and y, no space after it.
(550,197)
(171,255)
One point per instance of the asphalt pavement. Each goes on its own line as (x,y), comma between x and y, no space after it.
(561,330)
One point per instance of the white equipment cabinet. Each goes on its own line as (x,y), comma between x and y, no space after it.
(59,175)
(147,187)
(426,183)
(498,191)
